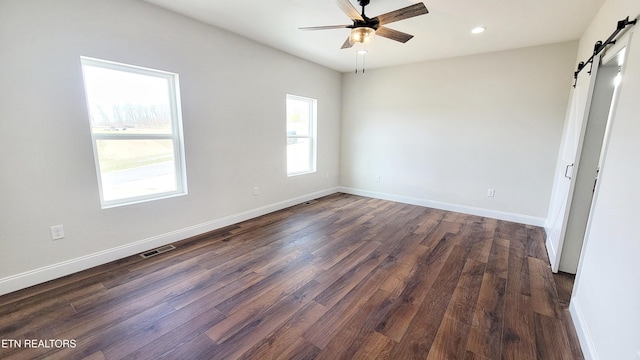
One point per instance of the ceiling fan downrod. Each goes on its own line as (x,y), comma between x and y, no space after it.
(363,3)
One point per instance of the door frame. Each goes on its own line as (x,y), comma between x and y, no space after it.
(555,254)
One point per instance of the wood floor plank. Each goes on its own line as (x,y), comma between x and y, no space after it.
(200,347)
(107,338)
(480,245)
(544,295)
(440,229)
(518,270)
(450,341)
(180,335)
(518,341)
(498,262)
(267,290)
(185,319)
(400,274)
(21,323)
(340,250)
(512,231)
(472,356)
(398,320)
(564,287)
(551,340)
(249,332)
(466,293)
(287,336)
(343,285)
(536,245)
(301,286)
(416,342)
(375,346)
(102,319)
(430,220)
(343,277)
(350,338)
(98,355)
(299,350)
(449,275)
(190,252)
(324,329)
(125,292)
(61,286)
(485,338)
(215,289)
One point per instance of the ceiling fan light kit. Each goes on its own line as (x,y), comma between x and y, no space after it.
(361,35)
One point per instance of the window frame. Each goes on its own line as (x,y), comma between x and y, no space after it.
(176,135)
(312,133)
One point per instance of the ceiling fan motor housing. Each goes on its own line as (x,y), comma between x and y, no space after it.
(370,23)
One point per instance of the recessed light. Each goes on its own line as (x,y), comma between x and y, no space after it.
(478,30)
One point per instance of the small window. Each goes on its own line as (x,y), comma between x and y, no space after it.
(301,135)
(136,129)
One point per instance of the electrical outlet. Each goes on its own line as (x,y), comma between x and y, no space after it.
(326,176)
(57,232)
(377,178)
(491,192)
(256,191)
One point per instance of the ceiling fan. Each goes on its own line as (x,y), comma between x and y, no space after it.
(363,27)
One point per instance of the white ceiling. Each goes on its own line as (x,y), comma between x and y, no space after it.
(444,32)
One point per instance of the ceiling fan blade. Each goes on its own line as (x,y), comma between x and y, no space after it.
(393,34)
(347,44)
(350,10)
(404,13)
(326,27)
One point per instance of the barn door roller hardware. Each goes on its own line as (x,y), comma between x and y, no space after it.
(599,46)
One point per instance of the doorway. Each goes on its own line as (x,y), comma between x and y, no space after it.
(584,139)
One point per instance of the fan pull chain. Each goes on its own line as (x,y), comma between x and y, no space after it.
(364,54)
(364,58)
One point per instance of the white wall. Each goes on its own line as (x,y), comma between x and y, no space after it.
(233,98)
(441,133)
(606,297)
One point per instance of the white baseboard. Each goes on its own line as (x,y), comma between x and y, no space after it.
(37,276)
(494,214)
(586,344)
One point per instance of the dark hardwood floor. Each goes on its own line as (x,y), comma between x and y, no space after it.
(345,277)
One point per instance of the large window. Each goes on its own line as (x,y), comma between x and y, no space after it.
(301,135)
(136,130)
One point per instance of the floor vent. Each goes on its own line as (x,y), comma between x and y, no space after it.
(310,202)
(160,250)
